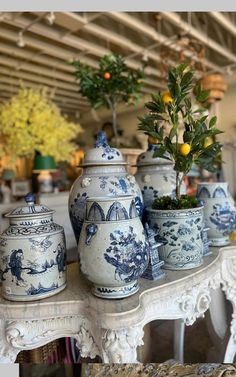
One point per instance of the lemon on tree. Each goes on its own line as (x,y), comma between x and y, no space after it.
(152,140)
(184,149)
(172,118)
(208,141)
(167,98)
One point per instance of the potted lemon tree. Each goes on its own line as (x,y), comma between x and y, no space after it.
(182,135)
(113,82)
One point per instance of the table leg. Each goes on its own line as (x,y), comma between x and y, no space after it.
(179,330)
(120,346)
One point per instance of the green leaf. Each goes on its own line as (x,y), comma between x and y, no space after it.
(212,121)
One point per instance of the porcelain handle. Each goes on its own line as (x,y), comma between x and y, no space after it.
(131,178)
(86,182)
(146,178)
(91,230)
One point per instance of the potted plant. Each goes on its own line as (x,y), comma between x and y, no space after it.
(30,124)
(182,135)
(111,83)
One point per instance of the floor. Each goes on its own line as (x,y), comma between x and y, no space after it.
(197,342)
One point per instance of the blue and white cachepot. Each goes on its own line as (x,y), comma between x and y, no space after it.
(104,174)
(156,176)
(219,211)
(180,232)
(32,254)
(114,251)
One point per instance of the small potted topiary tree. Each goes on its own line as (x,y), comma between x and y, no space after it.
(111,83)
(183,134)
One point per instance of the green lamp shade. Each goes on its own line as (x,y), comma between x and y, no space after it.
(44,163)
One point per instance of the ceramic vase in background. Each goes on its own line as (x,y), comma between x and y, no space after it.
(113,247)
(32,254)
(180,232)
(104,174)
(155,176)
(219,211)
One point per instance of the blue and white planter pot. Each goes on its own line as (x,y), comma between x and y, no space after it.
(114,251)
(104,174)
(179,231)
(219,211)
(32,254)
(155,176)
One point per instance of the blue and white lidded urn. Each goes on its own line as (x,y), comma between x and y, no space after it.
(104,174)
(156,176)
(32,254)
(219,211)
(114,251)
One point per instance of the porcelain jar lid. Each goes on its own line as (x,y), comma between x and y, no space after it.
(30,210)
(102,153)
(146,158)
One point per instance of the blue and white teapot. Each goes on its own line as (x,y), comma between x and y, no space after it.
(32,254)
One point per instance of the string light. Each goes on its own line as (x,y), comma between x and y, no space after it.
(20,40)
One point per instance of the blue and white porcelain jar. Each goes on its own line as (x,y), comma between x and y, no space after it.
(155,176)
(219,211)
(114,251)
(180,232)
(32,254)
(104,174)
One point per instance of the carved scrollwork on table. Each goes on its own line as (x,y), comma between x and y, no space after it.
(228,271)
(195,301)
(120,346)
(23,335)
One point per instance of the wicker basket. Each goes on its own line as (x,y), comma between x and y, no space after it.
(216,85)
(42,354)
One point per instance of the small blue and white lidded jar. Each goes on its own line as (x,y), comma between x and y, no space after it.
(32,254)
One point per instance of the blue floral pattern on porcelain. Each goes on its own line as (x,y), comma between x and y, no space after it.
(180,235)
(219,211)
(128,255)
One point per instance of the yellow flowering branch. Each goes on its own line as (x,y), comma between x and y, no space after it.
(31,122)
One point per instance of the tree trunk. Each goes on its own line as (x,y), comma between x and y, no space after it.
(114,123)
(177,191)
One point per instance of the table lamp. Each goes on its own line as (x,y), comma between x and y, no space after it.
(44,165)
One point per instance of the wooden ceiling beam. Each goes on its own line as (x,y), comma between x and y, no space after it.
(149,31)
(74,42)
(206,40)
(20,75)
(20,81)
(13,89)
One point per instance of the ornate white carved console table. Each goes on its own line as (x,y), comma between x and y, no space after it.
(114,329)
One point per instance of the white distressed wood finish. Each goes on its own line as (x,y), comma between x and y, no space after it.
(114,329)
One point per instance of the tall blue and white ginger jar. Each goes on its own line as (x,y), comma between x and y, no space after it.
(114,251)
(104,174)
(32,254)
(156,176)
(219,211)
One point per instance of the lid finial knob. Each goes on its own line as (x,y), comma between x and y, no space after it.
(30,198)
(101,139)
